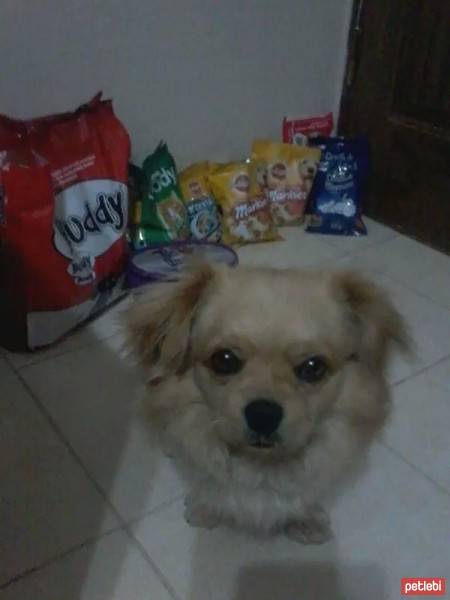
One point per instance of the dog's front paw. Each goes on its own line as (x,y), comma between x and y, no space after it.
(313,528)
(197,514)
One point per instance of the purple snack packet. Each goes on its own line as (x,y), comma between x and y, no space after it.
(167,260)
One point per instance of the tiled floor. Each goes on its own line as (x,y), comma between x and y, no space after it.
(89,510)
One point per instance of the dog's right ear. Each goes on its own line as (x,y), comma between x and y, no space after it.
(158,325)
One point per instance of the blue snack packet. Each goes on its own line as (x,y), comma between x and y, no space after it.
(336,196)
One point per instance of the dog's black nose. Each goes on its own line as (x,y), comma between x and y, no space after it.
(263,416)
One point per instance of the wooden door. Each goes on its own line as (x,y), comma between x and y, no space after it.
(397,91)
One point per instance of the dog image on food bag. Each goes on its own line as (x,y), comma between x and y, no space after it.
(246,211)
(259,225)
(261,175)
(288,172)
(307,168)
(203,224)
(171,213)
(203,214)
(163,213)
(266,386)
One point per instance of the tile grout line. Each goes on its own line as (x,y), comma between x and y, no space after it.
(422,295)
(156,509)
(372,244)
(159,573)
(58,557)
(56,428)
(122,522)
(420,371)
(401,284)
(90,542)
(127,528)
(399,455)
(71,335)
(43,359)
(403,458)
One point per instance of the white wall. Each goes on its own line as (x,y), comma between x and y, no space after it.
(207,76)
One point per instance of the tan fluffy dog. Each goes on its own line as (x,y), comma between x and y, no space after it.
(267,385)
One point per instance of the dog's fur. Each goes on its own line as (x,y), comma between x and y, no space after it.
(273,319)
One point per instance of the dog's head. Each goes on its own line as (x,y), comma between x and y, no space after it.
(270,352)
(204,223)
(308,168)
(261,175)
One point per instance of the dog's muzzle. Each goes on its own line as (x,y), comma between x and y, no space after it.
(263,418)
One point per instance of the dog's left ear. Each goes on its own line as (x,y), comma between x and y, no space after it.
(377,322)
(158,325)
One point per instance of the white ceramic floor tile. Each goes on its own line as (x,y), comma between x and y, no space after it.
(376,234)
(111,569)
(299,249)
(392,523)
(92,394)
(100,328)
(109,323)
(417,266)
(429,323)
(420,423)
(352,262)
(440,374)
(47,504)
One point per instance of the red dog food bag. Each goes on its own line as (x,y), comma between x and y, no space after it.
(63,217)
(298,131)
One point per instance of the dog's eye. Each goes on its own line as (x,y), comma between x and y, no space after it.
(225,362)
(312,370)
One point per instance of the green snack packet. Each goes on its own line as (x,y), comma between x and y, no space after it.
(163,214)
(143,237)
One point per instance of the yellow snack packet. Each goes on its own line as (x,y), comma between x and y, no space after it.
(246,219)
(203,215)
(288,171)
(213,166)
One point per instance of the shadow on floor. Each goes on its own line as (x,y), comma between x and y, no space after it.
(51,513)
(309,582)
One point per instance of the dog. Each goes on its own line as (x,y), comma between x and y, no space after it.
(307,169)
(267,386)
(261,176)
(204,224)
(283,213)
(258,224)
(238,229)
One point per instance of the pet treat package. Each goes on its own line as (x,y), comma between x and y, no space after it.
(299,131)
(288,172)
(166,262)
(162,215)
(336,199)
(203,216)
(246,218)
(64,198)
